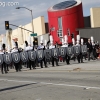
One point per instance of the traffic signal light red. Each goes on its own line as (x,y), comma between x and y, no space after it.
(7,25)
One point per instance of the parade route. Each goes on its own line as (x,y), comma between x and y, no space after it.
(93,65)
(53,83)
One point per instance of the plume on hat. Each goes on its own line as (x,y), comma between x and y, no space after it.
(78,37)
(66,39)
(73,41)
(51,39)
(45,42)
(82,40)
(92,39)
(62,41)
(0,46)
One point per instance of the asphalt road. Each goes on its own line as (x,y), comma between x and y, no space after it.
(31,85)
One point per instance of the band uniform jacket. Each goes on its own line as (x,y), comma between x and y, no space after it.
(14,50)
(51,46)
(65,45)
(28,48)
(89,46)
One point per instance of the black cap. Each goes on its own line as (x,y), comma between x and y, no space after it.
(26,43)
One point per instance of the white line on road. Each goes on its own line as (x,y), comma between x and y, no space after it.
(17,81)
(67,85)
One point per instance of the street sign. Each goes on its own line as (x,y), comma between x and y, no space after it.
(33,34)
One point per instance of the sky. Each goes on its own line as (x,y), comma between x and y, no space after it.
(8,11)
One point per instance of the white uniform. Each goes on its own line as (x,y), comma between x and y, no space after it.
(51,46)
(77,44)
(41,47)
(65,45)
(28,48)
(14,50)
(1,52)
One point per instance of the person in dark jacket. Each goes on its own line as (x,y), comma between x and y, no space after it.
(89,47)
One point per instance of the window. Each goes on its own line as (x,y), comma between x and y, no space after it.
(59,31)
(60,23)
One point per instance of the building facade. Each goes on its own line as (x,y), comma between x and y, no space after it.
(21,35)
(64,18)
(95,17)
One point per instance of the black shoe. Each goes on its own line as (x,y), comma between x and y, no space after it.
(82,62)
(68,63)
(7,69)
(6,72)
(46,66)
(19,69)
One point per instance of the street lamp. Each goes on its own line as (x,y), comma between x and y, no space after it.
(31,16)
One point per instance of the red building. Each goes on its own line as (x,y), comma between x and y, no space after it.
(64,18)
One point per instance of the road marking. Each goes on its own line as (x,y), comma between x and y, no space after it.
(18,81)
(45,83)
(67,85)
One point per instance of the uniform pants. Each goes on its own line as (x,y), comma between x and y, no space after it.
(78,58)
(41,63)
(20,66)
(56,60)
(7,67)
(90,54)
(81,58)
(31,63)
(67,58)
(3,68)
(16,66)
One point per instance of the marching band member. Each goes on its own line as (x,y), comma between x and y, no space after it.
(15,49)
(2,66)
(8,51)
(73,41)
(65,44)
(50,47)
(81,55)
(4,51)
(89,47)
(26,45)
(29,48)
(73,44)
(93,49)
(42,47)
(78,44)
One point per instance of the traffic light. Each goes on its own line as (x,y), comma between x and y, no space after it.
(7,25)
(72,35)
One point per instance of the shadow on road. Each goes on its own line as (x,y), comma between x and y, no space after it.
(15,87)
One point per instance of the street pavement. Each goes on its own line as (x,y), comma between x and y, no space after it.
(64,82)
(93,65)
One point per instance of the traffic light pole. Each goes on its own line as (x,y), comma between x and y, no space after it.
(20,27)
